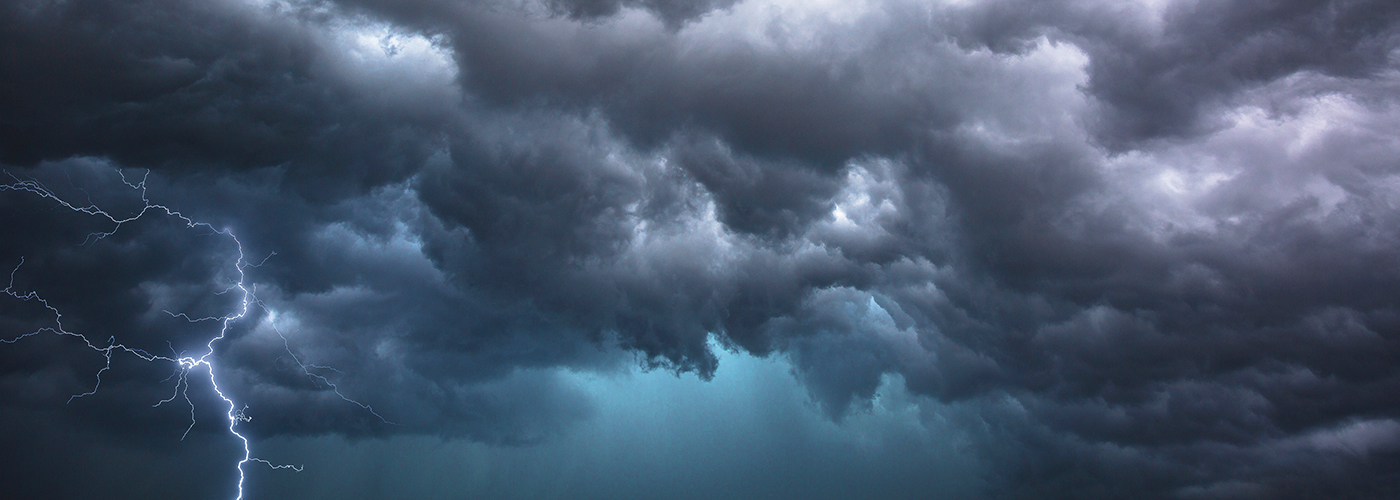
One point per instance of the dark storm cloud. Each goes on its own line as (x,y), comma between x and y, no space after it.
(672,12)
(188,87)
(391,323)
(820,102)
(1150,246)
(1162,74)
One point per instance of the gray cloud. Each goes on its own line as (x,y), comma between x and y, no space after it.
(1143,249)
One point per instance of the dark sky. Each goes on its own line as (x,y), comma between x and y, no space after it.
(579,249)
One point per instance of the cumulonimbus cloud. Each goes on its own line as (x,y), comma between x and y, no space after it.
(1154,240)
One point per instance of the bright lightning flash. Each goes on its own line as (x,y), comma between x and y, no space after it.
(183,364)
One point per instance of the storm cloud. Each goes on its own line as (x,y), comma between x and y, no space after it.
(1077,249)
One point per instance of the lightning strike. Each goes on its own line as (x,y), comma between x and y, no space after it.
(184,365)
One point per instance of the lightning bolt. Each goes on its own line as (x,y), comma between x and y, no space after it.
(184,365)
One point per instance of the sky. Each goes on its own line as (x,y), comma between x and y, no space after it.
(747,249)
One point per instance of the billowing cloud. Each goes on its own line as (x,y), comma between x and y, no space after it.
(1125,248)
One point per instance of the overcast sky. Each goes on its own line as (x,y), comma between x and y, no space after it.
(951,249)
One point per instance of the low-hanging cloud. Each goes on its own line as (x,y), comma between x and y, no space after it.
(1147,248)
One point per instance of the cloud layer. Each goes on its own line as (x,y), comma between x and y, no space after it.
(1135,249)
